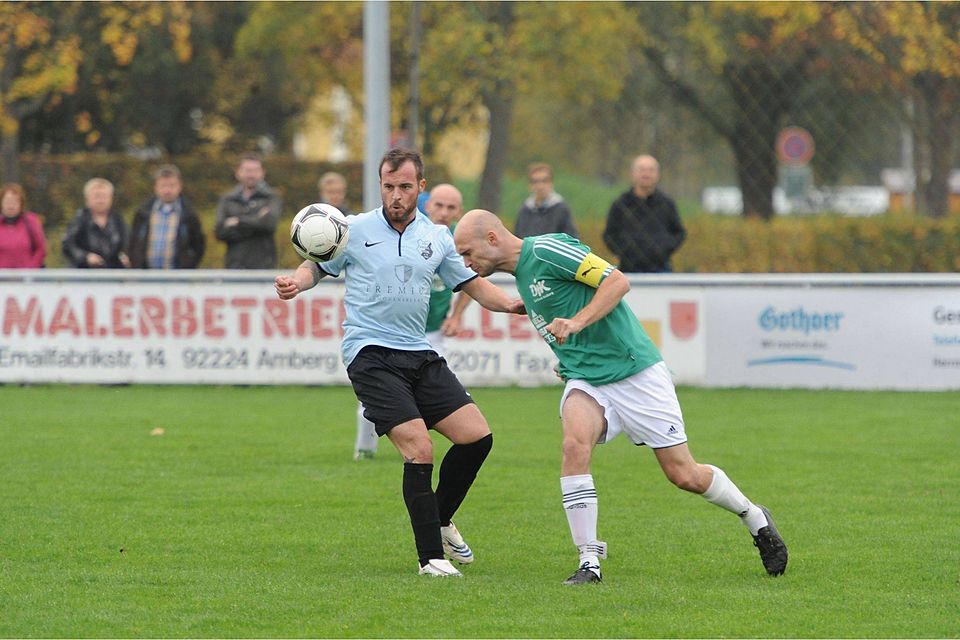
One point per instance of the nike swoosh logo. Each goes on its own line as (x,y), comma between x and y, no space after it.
(373,244)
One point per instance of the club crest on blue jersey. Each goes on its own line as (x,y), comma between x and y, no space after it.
(426,248)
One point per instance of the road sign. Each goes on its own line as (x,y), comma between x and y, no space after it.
(795,146)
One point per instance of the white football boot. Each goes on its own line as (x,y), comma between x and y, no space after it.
(454,546)
(440,569)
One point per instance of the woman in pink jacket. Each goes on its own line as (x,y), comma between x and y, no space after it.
(22,244)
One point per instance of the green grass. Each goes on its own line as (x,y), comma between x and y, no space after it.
(247,518)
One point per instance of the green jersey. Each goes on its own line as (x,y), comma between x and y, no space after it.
(556,277)
(440,297)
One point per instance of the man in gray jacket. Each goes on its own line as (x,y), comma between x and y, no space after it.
(545,211)
(247,218)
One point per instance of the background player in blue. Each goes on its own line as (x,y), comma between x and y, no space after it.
(390,260)
(615,379)
(444,207)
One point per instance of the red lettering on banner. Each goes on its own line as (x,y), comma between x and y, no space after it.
(90,315)
(319,311)
(487,329)
(520,328)
(152,314)
(212,317)
(300,317)
(121,314)
(64,319)
(277,313)
(244,305)
(184,317)
(20,319)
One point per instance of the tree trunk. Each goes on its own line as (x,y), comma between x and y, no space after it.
(760,102)
(500,105)
(939,113)
(10,156)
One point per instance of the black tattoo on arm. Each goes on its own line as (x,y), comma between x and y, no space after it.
(314,271)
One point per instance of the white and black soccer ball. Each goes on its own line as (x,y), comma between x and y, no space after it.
(319,232)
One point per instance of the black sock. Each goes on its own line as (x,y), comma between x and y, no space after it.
(422,506)
(457,472)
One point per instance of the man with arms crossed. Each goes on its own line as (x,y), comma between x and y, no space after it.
(444,208)
(615,378)
(391,257)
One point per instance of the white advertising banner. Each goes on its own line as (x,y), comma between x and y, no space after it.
(837,337)
(228,327)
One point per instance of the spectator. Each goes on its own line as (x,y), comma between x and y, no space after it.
(97,236)
(643,225)
(22,244)
(333,191)
(247,218)
(166,232)
(545,211)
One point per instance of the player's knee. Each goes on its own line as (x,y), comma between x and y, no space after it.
(684,478)
(575,449)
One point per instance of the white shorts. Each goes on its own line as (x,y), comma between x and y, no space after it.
(438,341)
(644,406)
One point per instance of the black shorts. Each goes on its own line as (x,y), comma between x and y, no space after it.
(398,386)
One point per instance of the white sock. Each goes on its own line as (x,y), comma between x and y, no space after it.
(723,493)
(366,433)
(580,505)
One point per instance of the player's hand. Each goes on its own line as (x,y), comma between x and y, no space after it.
(563,328)
(451,327)
(287,287)
(517,307)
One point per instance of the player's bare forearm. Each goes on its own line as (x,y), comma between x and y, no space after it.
(452,325)
(492,297)
(306,276)
(608,296)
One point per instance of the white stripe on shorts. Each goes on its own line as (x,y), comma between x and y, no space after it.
(643,406)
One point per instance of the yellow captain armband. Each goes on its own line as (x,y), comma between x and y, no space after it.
(591,270)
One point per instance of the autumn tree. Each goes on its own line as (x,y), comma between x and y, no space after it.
(915,48)
(39,56)
(739,66)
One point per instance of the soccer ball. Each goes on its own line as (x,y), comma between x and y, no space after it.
(319,232)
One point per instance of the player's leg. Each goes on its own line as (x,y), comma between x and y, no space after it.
(383,381)
(365,445)
(583,426)
(717,488)
(450,410)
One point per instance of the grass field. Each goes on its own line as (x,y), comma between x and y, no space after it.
(247,518)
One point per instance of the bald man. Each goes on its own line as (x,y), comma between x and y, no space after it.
(643,224)
(616,380)
(444,207)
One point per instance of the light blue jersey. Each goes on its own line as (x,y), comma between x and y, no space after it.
(388,280)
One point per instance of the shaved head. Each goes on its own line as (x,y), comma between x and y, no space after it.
(444,205)
(485,243)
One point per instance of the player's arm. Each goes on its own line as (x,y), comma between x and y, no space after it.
(454,322)
(608,295)
(492,297)
(306,276)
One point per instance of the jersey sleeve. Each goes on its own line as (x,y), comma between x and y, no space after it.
(568,259)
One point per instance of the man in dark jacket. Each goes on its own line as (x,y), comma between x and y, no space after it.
(247,217)
(545,211)
(166,231)
(643,225)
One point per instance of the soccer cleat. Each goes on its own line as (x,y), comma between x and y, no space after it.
(773,551)
(440,569)
(363,454)
(454,546)
(586,574)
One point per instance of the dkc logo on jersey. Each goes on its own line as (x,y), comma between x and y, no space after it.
(539,290)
